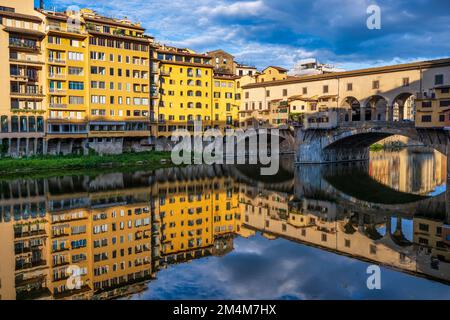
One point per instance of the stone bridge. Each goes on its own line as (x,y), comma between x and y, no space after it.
(350,141)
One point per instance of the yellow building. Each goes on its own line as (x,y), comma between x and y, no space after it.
(67,78)
(272,73)
(22,111)
(226,102)
(433,108)
(184,90)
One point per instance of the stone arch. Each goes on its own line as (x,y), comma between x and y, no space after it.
(404,107)
(376,108)
(353,105)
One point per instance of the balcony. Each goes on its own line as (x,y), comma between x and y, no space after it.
(30,91)
(23,265)
(58,106)
(56,60)
(165,72)
(24,45)
(65,30)
(57,91)
(57,76)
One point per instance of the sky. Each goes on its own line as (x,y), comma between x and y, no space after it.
(280,32)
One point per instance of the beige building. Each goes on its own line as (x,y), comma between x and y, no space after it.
(245,70)
(375,94)
(23,109)
(272,73)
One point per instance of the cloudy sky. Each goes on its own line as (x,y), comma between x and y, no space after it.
(279,32)
(262,269)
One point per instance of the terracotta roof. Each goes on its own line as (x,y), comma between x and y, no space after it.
(354,73)
(277,68)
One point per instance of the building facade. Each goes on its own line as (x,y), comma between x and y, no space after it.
(375,94)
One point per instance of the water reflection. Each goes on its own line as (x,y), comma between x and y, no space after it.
(124,230)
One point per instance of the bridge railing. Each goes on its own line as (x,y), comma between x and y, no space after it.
(374,123)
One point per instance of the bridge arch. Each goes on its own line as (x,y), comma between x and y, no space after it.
(376,108)
(353,105)
(404,107)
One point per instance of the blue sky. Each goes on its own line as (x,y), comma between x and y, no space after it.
(262,269)
(275,32)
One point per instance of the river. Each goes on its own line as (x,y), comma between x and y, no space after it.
(225,232)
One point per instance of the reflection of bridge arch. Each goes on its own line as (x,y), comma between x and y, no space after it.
(350,141)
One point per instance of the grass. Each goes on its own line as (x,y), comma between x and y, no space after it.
(376,147)
(45,164)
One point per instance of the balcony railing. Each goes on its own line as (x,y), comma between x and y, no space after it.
(24,45)
(63,29)
(29,91)
(57,76)
(56,60)
(58,105)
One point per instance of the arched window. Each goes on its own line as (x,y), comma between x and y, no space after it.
(190,105)
(198,93)
(198,105)
(190,93)
(198,83)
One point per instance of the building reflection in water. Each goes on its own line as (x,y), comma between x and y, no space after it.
(120,229)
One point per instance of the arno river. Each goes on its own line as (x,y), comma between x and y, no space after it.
(223,232)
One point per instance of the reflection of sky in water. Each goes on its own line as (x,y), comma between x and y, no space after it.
(279,269)
(439,189)
(407,228)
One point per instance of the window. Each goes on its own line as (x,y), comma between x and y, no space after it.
(347,243)
(75,71)
(426,118)
(267,93)
(76,100)
(442,118)
(75,56)
(285,92)
(406,82)
(445,103)
(4,124)
(305,90)
(75,85)
(375,84)
(349,86)
(325,89)
(439,79)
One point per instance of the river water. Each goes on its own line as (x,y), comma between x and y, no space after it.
(225,232)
